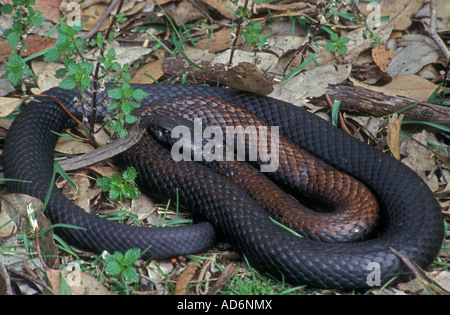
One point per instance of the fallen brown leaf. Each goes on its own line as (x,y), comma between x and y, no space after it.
(382,56)
(410,86)
(248,77)
(34,43)
(420,159)
(185,277)
(8,104)
(75,282)
(154,69)
(393,134)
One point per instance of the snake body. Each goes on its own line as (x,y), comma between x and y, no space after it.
(410,217)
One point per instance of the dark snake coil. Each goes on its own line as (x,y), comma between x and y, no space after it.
(410,217)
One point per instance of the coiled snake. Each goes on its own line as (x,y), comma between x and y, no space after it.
(410,218)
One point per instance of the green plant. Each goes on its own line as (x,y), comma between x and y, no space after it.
(120,188)
(253,35)
(122,267)
(251,31)
(24,19)
(337,44)
(79,73)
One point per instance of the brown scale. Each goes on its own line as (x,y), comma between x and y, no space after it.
(351,209)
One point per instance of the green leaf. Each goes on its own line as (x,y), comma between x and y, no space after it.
(52,55)
(119,257)
(116,179)
(86,82)
(104,183)
(127,107)
(129,191)
(129,174)
(111,54)
(130,274)
(130,119)
(114,194)
(16,69)
(342,50)
(334,37)
(13,39)
(61,73)
(68,83)
(345,40)
(119,129)
(115,93)
(37,19)
(113,268)
(331,46)
(139,94)
(6,8)
(131,256)
(64,28)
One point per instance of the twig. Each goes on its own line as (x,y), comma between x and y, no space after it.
(38,282)
(95,78)
(419,273)
(100,21)
(432,31)
(107,151)
(238,29)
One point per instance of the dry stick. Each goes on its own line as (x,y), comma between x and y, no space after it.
(96,72)
(238,29)
(94,31)
(432,31)
(420,274)
(105,152)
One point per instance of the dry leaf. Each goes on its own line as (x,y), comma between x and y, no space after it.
(14,204)
(129,54)
(371,125)
(92,14)
(382,56)
(247,77)
(227,7)
(8,104)
(142,206)
(77,283)
(34,43)
(157,274)
(420,159)
(105,171)
(219,41)
(265,60)
(284,7)
(443,15)
(46,73)
(391,8)
(410,86)
(312,83)
(416,286)
(9,227)
(282,45)
(185,277)
(3,285)
(82,194)
(186,12)
(49,9)
(154,69)
(393,134)
(411,59)
(68,146)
